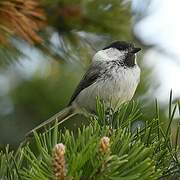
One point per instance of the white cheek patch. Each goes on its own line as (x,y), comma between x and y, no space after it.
(110,54)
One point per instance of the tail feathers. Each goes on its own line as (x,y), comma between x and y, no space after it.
(59,117)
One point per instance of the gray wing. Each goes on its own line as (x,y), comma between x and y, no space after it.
(92,74)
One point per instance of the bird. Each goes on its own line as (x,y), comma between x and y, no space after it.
(113,76)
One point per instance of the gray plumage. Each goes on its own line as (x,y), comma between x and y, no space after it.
(113,76)
(92,74)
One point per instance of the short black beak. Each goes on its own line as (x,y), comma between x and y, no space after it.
(135,50)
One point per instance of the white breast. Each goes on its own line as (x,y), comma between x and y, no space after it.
(114,91)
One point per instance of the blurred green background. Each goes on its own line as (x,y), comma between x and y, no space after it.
(44,55)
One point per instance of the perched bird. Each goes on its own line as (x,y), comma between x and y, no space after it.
(113,76)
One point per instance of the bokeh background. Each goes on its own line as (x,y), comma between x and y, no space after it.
(46,46)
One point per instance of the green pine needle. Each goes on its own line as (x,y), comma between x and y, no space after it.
(146,153)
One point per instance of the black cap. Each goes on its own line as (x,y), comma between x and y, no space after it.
(122,45)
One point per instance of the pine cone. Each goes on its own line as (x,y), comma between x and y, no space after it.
(104,145)
(59,164)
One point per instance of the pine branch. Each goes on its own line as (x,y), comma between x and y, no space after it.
(105,149)
(21,18)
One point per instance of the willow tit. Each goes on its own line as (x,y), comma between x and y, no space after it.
(113,76)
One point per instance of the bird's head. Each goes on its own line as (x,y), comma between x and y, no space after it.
(118,51)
